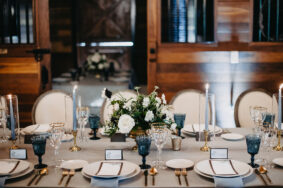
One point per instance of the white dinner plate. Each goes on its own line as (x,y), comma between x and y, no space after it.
(36,129)
(205,168)
(8,164)
(61,79)
(179,163)
(73,164)
(232,136)
(278,161)
(192,129)
(127,169)
(25,172)
(135,173)
(251,170)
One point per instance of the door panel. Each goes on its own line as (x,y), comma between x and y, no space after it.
(20,72)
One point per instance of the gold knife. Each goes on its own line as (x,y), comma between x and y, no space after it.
(34,177)
(145,177)
(261,177)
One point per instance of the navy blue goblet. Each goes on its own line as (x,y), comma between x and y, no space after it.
(39,145)
(94,125)
(143,143)
(179,120)
(253,144)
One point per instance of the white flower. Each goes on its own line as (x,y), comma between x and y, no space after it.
(163,99)
(158,101)
(100,66)
(103,93)
(173,126)
(145,102)
(103,57)
(110,111)
(96,57)
(149,116)
(91,67)
(116,107)
(128,105)
(125,123)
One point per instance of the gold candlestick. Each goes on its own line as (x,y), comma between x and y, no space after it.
(14,145)
(205,147)
(75,147)
(278,147)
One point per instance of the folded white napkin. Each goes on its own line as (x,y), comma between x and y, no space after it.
(42,128)
(102,182)
(222,167)
(228,182)
(2,181)
(7,166)
(109,169)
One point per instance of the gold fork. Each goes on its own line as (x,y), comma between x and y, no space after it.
(64,174)
(71,174)
(178,174)
(184,173)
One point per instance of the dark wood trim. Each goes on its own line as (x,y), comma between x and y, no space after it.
(236,108)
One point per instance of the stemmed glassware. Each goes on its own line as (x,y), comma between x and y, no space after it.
(160,135)
(258,115)
(57,133)
(3,121)
(82,116)
(39,145)
(94,125)
(253,144)
(179,120)
(144,143)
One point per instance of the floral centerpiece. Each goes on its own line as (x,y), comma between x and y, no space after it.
(137,113)
(96,63)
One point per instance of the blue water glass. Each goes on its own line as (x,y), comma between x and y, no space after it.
(143,143)
(39,145)
(94,125)
(253,144)
(269,120)
(179,120)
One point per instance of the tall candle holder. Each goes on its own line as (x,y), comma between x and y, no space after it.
(278,147)
(75,148)
(205,148)
(14,146)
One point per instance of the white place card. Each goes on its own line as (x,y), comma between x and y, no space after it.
(113,154)
(18,154)
(218,153)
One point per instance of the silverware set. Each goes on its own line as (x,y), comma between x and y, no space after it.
(260,171)
(39,174)
(182,172)
(71,173)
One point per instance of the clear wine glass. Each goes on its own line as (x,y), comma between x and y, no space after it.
(3,120)
(258,115)
(57,133)
(160,135)
(82,115)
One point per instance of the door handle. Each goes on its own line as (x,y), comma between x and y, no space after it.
(39,52)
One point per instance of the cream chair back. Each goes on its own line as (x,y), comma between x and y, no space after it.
(254,97)
(53,106)
(192,103)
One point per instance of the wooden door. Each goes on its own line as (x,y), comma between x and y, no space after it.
(24,40)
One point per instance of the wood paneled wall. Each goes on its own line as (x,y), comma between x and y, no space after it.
(174,67)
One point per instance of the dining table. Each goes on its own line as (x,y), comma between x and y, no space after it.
(94,150)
